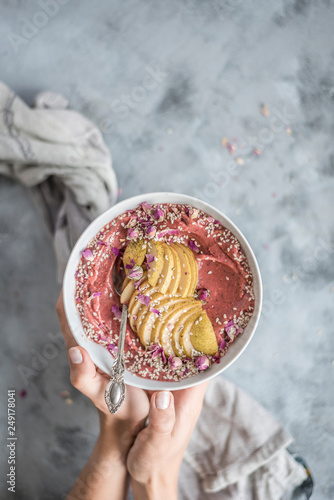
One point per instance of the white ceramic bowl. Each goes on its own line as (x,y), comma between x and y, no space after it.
(99,354)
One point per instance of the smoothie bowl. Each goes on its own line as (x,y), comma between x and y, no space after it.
(190,280)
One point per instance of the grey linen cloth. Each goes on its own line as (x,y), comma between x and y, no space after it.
(237,451)
(61,155)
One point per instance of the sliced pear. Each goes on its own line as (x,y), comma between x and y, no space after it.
(138,307)
(167,270)
(157,249)
(185,279)
(145,329)
(167,325)
(194,269)
(185,342)
(143,311)
(125,282)
(176,272)
(163,308)
(179,324)
(127,292)
(202,337)
(135,250)
(134,304)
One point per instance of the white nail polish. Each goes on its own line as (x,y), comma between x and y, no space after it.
(162,400)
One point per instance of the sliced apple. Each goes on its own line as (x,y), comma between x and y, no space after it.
(185,279)
(194,269)
(171,316)
(167,270)
(157,249)
(202,337)
(178,327)
(176,272)
(135,250)
(185,343)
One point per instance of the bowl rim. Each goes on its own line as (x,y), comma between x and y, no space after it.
(100,356)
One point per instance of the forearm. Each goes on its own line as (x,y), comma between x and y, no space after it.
(105,475)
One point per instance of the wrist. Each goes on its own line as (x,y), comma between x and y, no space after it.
(155,488)
(116,435)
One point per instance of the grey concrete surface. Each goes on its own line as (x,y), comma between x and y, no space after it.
(216,63)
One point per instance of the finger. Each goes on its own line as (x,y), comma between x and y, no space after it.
(66,331)
(161,416)
(85,378)
(188,406)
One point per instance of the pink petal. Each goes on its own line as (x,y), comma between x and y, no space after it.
(151,231)
(133,234)
(144,299)
(149,257)
(203,294)
(146,206)
(155,311)
(87,254)
(101,243)
(202,363)
(193,246)
(116,251)
(96,294)
(117,312)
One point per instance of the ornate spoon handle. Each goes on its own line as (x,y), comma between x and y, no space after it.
(116,391)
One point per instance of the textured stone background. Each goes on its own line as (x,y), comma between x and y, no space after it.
(219,61)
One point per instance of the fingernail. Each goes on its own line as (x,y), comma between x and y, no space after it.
(162,400)
(75,355)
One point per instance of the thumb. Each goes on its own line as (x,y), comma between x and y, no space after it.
(84,376)
(161,417)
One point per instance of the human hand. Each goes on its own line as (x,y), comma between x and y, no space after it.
(155,458)
(92,382)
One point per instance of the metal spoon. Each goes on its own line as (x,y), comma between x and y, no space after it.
(116,391)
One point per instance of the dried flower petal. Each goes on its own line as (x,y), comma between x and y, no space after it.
(149,258)
(87,254)
(112,348)
(155,311)
(222,344)
(96,294)
(174,362)
(101,243)
(151,231)
(132,234)
(203,294)
(144,299)
(136,273)
(146,206)
(116,251)
(117,312)
(158,214)
(130,265)
(193,246)
(202,363)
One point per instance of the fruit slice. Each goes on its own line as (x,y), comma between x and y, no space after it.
(185,342)
(134,304)
(178,327)
(157,249)
(194,269)
(167,270)
(170,318)
(203,338)
(163,308)
(125,282)
(185,279)
(127,292)
(135,250)
(145,329)
(142,313)
(176,272)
